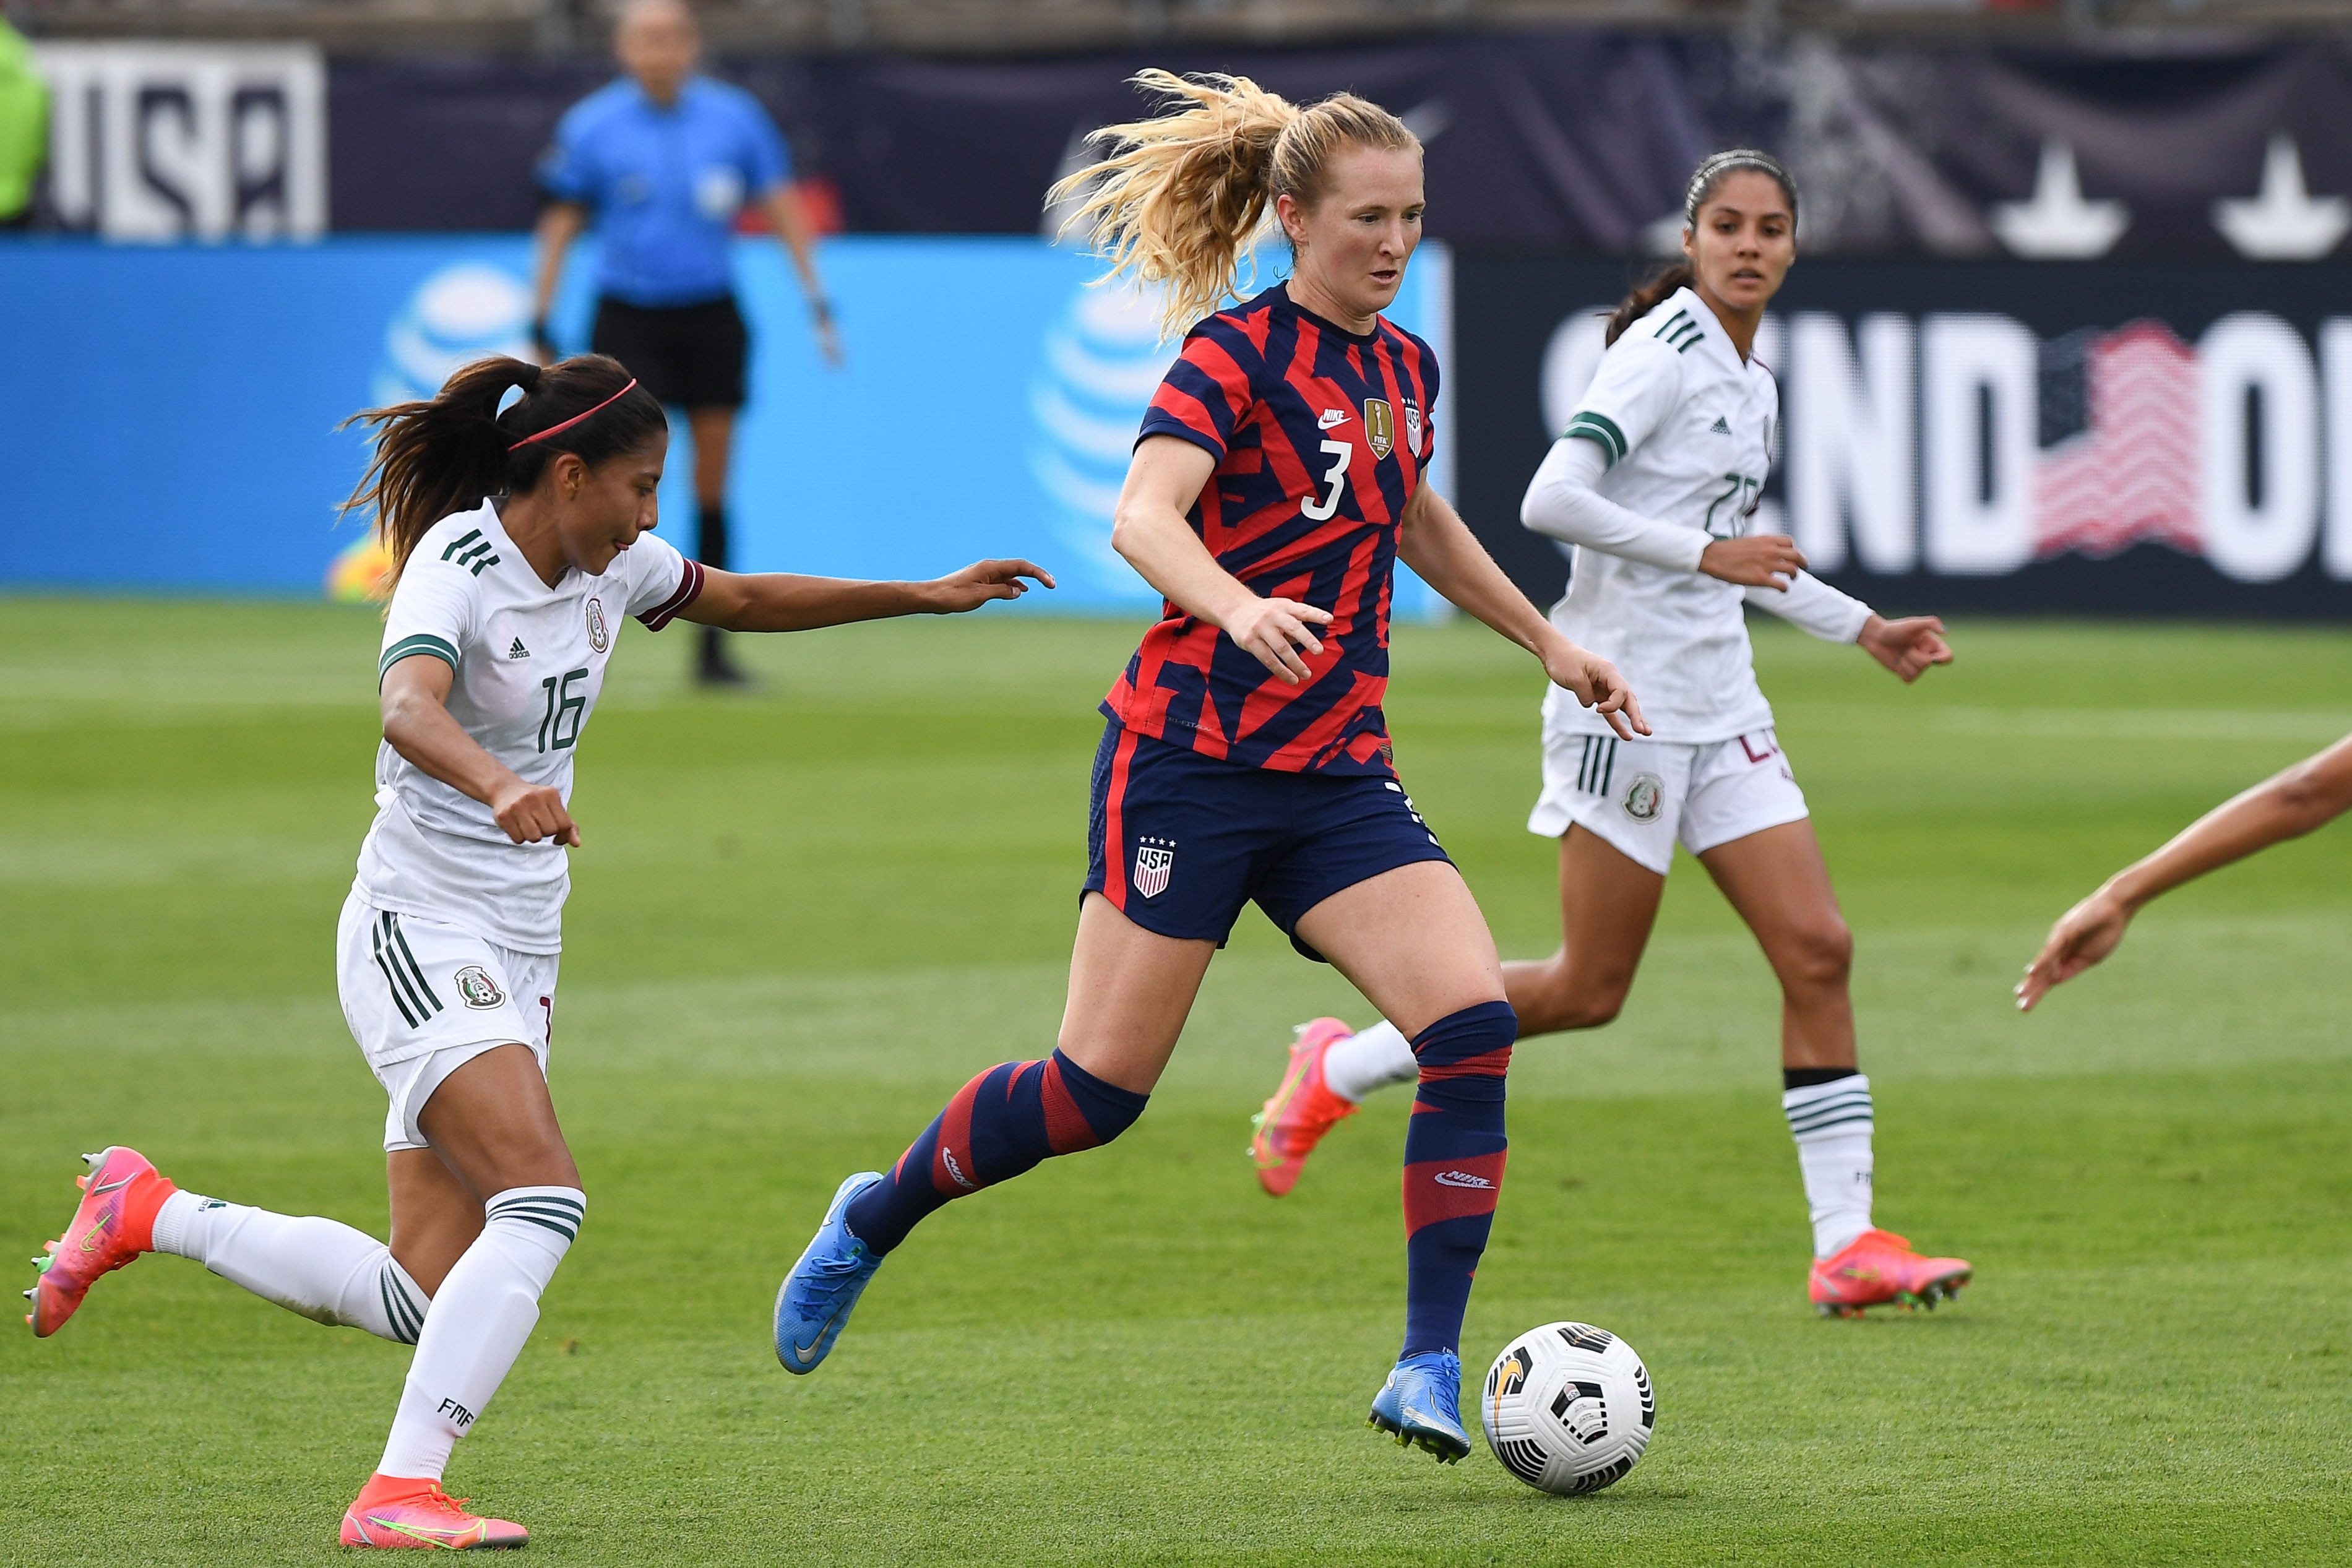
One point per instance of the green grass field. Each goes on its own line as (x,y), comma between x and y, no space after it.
(801,917)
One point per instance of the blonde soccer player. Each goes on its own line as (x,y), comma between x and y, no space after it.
(1656,483)
(521,542)
(1278,476)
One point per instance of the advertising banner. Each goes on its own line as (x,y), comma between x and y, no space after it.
(170,418)
(2154,439)
(158,142)
(2203,147)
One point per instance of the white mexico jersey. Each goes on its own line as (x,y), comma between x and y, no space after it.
(529,662)
(1686,427)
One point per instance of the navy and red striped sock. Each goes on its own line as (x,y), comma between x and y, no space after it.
(1453,1156)
(1002,1122)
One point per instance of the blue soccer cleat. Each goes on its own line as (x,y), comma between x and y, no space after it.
(816,1297)
(1422,1404)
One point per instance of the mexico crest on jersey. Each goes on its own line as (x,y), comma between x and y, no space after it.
(1380,426)
(598,638)
(1155,859)
(480,992)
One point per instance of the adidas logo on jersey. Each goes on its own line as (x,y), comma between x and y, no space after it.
(517,651)
(1719,428)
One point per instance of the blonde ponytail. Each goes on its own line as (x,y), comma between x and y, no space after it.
(1179,197)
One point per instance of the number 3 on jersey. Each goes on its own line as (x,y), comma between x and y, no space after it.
(1336,476)
(562,704)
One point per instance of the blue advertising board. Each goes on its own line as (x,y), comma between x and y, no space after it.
(169,417)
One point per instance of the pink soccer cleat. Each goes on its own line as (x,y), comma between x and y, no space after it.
(1878,1268)
(392,1510)
(1302,1109)
(113,1225)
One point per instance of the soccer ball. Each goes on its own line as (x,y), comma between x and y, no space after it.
(1568,1408)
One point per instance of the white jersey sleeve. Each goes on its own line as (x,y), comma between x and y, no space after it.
(662,581)
(1561,503)
(1639,384)
(1815,607)
(434,612)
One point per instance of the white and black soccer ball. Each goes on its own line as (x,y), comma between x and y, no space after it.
(1568,1408)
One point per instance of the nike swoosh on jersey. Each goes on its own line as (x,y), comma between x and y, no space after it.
(1331,416)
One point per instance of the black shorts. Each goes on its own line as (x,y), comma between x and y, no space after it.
(689,356)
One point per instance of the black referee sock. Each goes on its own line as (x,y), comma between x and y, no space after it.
(710,543)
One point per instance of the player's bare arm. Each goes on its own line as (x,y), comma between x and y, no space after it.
(1759,560)
(1149,530)
(1909,646)
(2308,796)
(1435,542)
(417,722)
(785,602)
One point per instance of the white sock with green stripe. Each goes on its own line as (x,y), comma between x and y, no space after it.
(483,1313)
(321,1268)
(1832,1123)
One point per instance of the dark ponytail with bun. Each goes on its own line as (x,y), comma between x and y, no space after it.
(451,454)
(1710,173)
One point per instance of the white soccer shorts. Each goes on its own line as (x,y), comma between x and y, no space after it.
(423,998)
(1643,796)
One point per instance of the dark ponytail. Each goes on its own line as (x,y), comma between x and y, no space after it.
(1710,173)
(449,454)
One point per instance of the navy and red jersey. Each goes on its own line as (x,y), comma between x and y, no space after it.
(1321,437)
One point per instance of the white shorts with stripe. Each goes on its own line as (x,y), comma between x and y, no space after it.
(1644,797)
(423,998)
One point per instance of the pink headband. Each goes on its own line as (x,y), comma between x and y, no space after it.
(568,424)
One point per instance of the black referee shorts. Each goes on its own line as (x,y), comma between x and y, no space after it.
(690,357)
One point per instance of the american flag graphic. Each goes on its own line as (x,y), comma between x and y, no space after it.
(2119,463)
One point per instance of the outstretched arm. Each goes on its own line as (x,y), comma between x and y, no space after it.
(2309,794)
(559,223)
(785,602)
(1436,543)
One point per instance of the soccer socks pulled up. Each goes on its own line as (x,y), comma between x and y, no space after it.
(1369,1060)
(1832,1123)
(1002,1122)
(485,1310)
(318,1268)
(1454,1155)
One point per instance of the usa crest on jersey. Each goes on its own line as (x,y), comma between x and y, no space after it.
(1155,859)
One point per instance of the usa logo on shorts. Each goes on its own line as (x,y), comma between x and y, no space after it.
(1154,859)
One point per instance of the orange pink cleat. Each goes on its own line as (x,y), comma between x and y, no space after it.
(1878,1268)
(1302,1109)
(395,1512)
(114,1223)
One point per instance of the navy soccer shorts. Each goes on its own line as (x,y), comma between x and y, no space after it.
(1180,842)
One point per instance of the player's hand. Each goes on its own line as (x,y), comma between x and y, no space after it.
(828,343)
(1764,561)
(1593,681)
(1908,647)
(2083,936)
(531,812)
(980,582)
(1272,631)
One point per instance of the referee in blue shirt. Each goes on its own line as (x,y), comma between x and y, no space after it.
(662,160)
